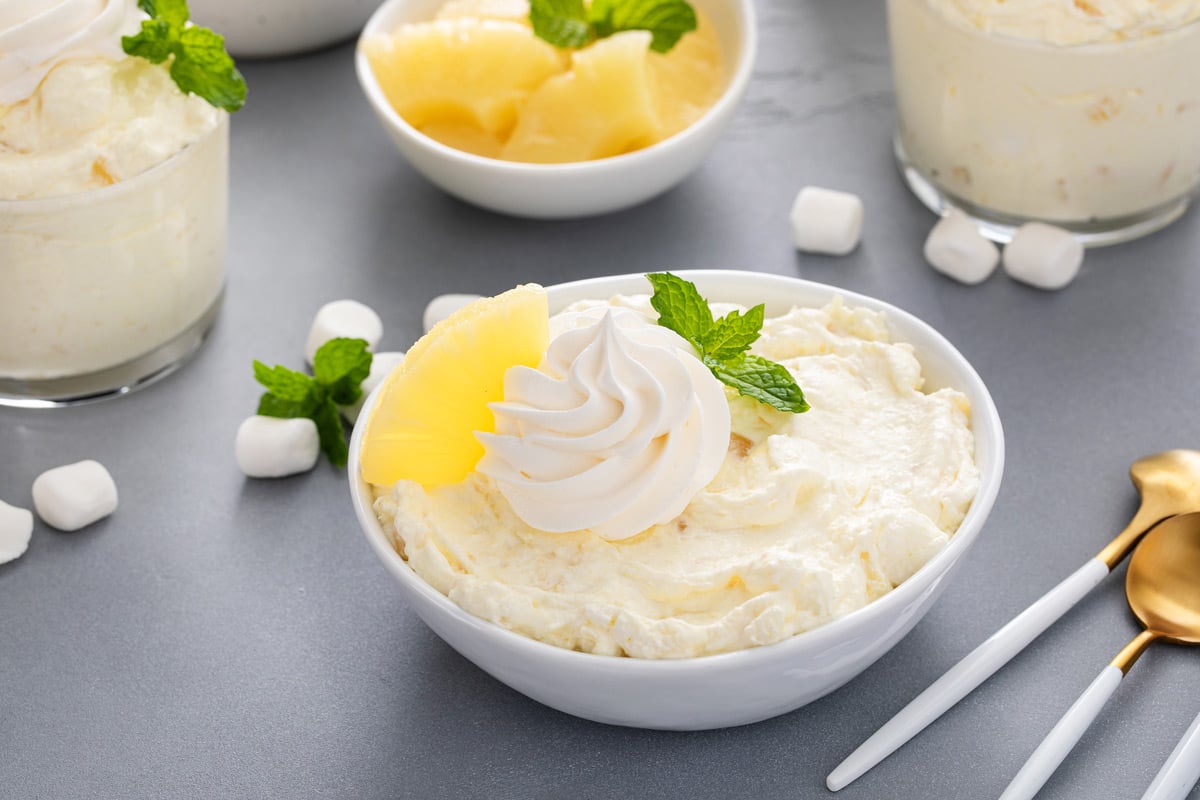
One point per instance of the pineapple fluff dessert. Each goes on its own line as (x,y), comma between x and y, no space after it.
(479,78)
(585,479)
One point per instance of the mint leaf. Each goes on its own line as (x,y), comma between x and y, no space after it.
(153,43)
(331,433)
(667,20)
(203,68)
(172,12)
(339,368)
(761,379)
(341,365)
(680,307)
(284,383)
(733,334)
(562,23)
(723,343)
(199,63)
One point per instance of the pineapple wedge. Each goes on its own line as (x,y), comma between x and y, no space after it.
(469,72)
(604,106)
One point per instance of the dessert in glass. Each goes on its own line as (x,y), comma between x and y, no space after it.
(1081,113)
(113,207)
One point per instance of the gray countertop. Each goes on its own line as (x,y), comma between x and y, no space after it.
(225,637)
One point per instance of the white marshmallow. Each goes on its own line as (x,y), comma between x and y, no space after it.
(75,495)
(381,365)
(269,447)
(16,528)
(343,319)
(444,305)
(826,221)
(1043,256)
(957,249)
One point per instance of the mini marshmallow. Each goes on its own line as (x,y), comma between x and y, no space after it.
(1043,256)
(269,447)
(444,305)
(957,249)
(75,495)
(343,319)
(16,528)
(826,221)
(381,365)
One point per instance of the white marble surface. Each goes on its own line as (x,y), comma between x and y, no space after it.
(225,637)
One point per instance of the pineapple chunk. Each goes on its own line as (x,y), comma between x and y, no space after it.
(512,10)
(605,106)
(690,78)
(468,72)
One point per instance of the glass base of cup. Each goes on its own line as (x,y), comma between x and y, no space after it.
(113,381)
(1000,227)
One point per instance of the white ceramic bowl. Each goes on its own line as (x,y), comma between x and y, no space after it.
(267,28)
(730,688)
(567,190)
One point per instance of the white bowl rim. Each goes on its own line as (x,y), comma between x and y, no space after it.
(829,633)
(748,48)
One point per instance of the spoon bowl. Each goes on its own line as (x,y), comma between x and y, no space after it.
(1163,591)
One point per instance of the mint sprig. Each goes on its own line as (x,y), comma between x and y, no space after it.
(199,63)
(339,368)
(569,23)
(723,343)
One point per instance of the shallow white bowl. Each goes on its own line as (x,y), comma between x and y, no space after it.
(269,28)
(580,189)
(731,688)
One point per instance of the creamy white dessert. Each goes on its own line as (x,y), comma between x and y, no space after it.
(760,530)
(113,193)
(1068,111)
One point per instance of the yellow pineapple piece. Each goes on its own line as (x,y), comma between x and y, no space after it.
(604,106)
(422,426)
(690,78)
(461,72)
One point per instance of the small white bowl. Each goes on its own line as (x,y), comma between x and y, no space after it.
(270,28)
(730,688)
(553,191)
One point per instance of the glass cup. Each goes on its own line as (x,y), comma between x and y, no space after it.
(1101,139)
(110,289)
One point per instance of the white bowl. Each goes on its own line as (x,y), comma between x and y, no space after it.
(580,189)
(266,28)
(731,688)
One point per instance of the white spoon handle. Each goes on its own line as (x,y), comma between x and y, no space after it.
(1182,770)
(1054,748)
(979,665)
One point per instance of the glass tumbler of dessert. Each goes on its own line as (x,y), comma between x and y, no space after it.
(113,208)
(1080,113)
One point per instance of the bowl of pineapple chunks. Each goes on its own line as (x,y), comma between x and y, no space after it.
(556,108)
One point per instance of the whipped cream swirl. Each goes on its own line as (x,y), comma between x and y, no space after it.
(37,35)
(616,431)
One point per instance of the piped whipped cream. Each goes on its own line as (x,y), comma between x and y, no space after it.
(37,35)
(1071,22)
(615,432)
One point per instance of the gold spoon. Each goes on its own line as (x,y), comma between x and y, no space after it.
(1163,589)
(1169,484)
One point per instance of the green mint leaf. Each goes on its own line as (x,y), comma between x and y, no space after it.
(341,365)
(331,433)
(172,12)
(680,307)
(203,68)
(284,383)
(153,43)
(271,406)
(733,334)
(562,23)
(761,379)
(667,20)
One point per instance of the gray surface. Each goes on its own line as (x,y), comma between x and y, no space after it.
(222,637)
